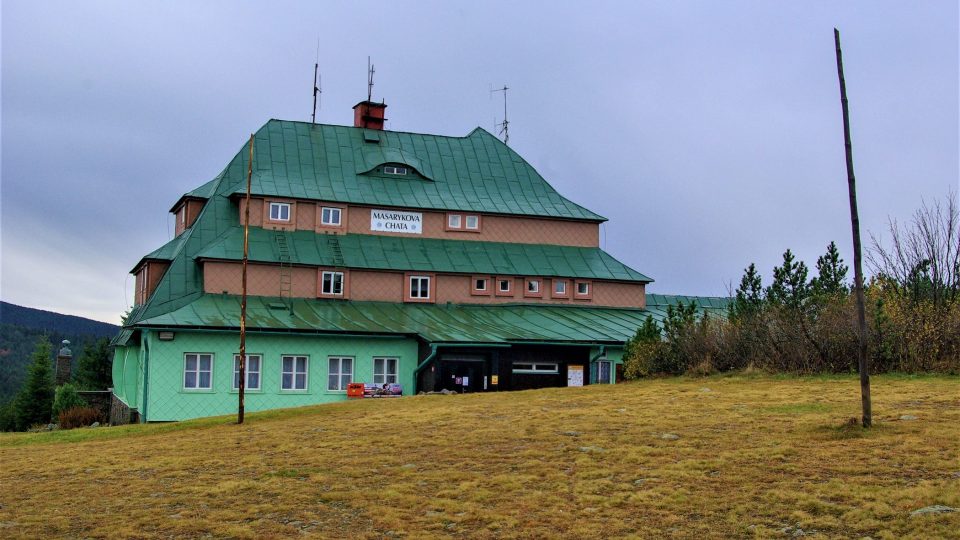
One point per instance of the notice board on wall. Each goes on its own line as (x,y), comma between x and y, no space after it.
(574,375)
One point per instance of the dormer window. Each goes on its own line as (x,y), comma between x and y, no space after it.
(454,221)
(279,211)
(531,288)
(473,222)
(394,169)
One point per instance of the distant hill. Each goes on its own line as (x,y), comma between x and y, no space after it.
(50,321)
(21,327)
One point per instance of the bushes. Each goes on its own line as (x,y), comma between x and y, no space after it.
(806,326)
(66,397)
(79,417)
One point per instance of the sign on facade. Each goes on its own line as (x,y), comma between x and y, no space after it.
(574,375)
(396,222)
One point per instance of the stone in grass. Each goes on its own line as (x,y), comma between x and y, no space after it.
(669,436)
(935,509)
(572,433)
(591,449)
(95,424)
(908,417)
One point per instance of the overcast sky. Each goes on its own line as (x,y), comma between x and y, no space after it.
(709,133)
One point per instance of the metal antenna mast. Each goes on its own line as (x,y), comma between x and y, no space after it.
(505,125)
(370,72)
(316,84)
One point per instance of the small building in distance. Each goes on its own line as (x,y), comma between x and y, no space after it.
(383,257)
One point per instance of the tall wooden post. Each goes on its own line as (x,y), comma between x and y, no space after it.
(857,264)
(243,292)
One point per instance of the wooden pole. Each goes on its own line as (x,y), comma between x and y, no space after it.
(243,293)
(863,364)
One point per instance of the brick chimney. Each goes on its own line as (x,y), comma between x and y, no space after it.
(64,358)
(369,114)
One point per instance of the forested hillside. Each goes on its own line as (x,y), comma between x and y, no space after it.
(21,327)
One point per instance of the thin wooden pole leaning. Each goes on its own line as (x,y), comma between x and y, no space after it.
(863,363)
(243,289)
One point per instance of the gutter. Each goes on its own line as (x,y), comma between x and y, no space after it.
(601,354)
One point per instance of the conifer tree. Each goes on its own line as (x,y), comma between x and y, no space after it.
(35,401)
(832,274)
(94,368)
(790,287)
(748,300)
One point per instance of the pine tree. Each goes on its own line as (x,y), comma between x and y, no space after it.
(832,274)
(34,403)
(749,296)
(789,288)
(94,368)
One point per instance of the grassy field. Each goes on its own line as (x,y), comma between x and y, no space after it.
(754,457)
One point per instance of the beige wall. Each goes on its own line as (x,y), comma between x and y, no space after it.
(152,272)
(189,210)
(365,285)
(493,228)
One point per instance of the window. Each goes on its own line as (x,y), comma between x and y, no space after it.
(454,221)
(393,169)
(504,285)
(197,371)
(480,284)
(330,216)
(331,283)
(294,373)
(538,368)
(420,287)
(183,217)
(340,373)
(253,372)
(473,222)
(533,286)
(279,211)
(384,370)
(560,287)
(143,284)
(583,290)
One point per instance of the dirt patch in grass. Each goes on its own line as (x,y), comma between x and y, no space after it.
(746,456)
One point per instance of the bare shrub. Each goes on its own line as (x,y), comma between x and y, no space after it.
(79,417)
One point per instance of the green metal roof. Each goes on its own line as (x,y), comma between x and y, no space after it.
(424,255)
(335,163)
(713,305)
(433,323)
(166,252)
(203,192)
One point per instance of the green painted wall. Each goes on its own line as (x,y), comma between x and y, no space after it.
(127,374)
(166,399)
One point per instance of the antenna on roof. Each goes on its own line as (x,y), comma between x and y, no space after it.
(316,84)
(370,72)
(505,125)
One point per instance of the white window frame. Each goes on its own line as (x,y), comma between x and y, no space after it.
(385,376)
(197,371)
(484,281)
(454,221)
(395,169)
(536,286)
(183,216)
(330,210)
(423,290)
(323,283)
(476,222)
(339,373)
(586,287)
(536,368)
(500,283)
(279,206)
(295,372)
(258,371)
(557,285)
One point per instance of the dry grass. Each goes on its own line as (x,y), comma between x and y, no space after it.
(755,455)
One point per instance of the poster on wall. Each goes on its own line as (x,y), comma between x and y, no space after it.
(396,222)
(574,375)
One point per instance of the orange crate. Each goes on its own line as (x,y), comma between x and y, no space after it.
(355,390)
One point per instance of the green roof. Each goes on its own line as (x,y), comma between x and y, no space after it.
(433,323)
(203,192)
(336,163)
(166,252)
(424,255)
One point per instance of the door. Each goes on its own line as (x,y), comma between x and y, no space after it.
(462,374)
(603,372)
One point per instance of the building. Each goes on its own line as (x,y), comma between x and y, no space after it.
(376,256)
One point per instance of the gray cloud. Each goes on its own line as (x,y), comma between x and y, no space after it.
(709,133)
